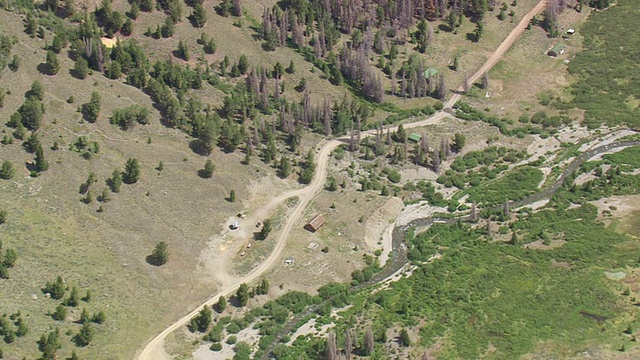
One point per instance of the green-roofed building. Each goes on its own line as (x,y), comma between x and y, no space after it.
(430,72)
(415,137)
(557,49)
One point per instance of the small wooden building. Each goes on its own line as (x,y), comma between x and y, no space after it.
(289,261)
(415,137)
(316,223)
(429,73)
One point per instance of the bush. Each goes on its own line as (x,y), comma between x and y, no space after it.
(127,117)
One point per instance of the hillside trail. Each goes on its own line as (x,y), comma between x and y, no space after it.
(154,349)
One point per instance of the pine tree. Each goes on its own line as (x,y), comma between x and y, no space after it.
(131,173)
(160,254)
(183,50)
(52,64)
(291,68)
(266,229)
(243,64)
(203,319)
(99,318)
(81,68)
(41,163)
(243,294)
(49,345)
(91,110)
(479,31)
(72,300)
(232,196)
(115,182)
(405,340)
(222,303)
(60,314)
(127,27)
(209,168)
(6,170)
(84,316)
(285,167)
(199,16)
(85,335)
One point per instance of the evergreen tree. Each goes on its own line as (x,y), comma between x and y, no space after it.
(31,112)
(405,340)
(6,170)
(41,163)
(479,31)
(52,64)
(459,141)
(84,316)
(72,300)
(183,51)
(31,25)
(291,68)
(22,327)
(10,258)
(127,28)
(160,254)
(243,64)
(116,181)
(199,16)
(209,168)
(131,173)
(36,91)
(81,68)
(60,314)
(243,294)
(285,167)
(266,229)
(85,335)
(169,28)
(202,321)
(99,318)
(222,303)
(232,196)
(91,110)
(49,345)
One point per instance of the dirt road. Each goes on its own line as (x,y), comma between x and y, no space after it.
(500,51)
(154,349)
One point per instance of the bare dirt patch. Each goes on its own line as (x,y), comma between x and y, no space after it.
(379,226)
(540,245)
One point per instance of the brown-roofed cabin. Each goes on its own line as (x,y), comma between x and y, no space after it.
(315,223)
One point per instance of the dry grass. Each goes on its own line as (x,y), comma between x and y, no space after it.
(56,234)
(527,63)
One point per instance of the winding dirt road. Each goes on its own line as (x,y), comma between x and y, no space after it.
(154,349)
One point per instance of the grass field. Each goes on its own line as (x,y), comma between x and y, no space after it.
(55,233)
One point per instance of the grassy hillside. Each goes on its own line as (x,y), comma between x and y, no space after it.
(245,116)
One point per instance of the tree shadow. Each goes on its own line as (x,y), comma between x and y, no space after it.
(79,341)
(472,37)
(43,68)
(151,260)
(198,147)
(203,174)
(233,301)
(444,27)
